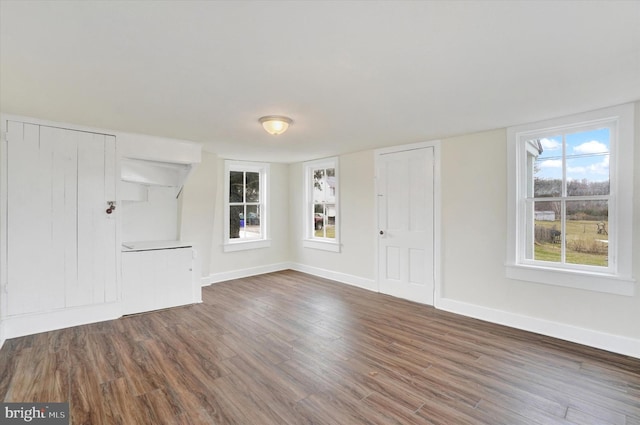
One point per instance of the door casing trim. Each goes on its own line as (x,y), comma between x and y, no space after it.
(437,206)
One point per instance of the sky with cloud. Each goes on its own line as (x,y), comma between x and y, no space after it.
(587,156)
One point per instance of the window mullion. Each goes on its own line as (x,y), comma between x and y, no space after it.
(325,219)
(244,187)
(563,232)
(564,166)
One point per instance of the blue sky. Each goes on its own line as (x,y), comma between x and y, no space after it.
(587,154)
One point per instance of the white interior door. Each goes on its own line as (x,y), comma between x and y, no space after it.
(405,189)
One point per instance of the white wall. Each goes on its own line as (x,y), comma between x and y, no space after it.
(196,210)
(474,213)
(155,219)
(355,263)
(474,234)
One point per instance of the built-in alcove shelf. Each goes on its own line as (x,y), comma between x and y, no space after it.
(153,245)
(133,192)
(153,172)
(137,175)
(158,270)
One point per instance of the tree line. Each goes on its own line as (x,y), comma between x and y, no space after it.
(576,210)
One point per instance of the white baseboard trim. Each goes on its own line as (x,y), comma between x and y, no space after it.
(28,324)
(349,279)
(239,274)
(614,343)
(352,280)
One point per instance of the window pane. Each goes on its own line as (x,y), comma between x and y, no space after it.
(318,185)
(587,233)
(547,231)
(547,167)
(588,162)
(251,229)
(330,186)
(236,186)
(236,221)
(318,220)
(324,221)
(253,187)
(330,220)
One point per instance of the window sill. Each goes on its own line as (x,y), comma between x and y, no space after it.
(598,282)
(321,245)
(246,245)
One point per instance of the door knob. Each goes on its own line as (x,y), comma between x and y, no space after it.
(382,232)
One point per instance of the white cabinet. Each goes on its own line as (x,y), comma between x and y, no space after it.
(157,278)
(60,242)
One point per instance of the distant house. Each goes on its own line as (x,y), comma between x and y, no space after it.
(545,215)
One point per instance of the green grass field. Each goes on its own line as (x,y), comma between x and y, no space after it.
(331,232)
(584,244)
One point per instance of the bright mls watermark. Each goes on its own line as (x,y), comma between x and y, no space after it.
(34,413)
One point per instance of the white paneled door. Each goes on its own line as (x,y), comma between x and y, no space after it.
(61,243)
(405,194)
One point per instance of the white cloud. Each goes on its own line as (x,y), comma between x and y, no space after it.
(550,144)
(576,170)
(600,167)
(591,147)
(551,163)
(590,171)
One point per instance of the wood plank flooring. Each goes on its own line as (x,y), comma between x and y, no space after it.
(289,348)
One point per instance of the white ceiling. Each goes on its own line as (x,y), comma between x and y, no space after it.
(352,75)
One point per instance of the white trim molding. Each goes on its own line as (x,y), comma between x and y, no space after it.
(357,281)
(349,279)
(605,341)
(241,273)
(308,223)
(617,276)
(28,324)
(263,241)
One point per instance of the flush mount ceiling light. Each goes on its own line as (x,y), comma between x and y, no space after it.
(275,124)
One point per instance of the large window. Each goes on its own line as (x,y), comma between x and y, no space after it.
(321,204)
(570,209)
(245,205)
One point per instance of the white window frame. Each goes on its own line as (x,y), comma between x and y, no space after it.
(230,244)
(309,238)
(617,277)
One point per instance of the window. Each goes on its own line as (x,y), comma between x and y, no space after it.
(570,210)
(245,205)
(321,205)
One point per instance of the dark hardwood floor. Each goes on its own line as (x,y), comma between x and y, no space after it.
(289,348)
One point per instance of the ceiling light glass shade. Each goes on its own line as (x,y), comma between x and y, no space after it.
(275,124)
